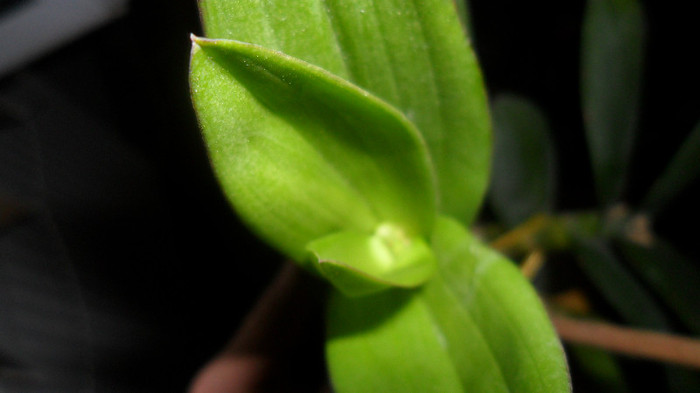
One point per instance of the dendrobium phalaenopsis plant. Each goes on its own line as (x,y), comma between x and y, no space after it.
(354,138)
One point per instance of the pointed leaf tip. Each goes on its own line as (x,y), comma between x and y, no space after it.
(302,153)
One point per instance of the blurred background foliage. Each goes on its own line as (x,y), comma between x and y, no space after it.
(122,268)
(609,255)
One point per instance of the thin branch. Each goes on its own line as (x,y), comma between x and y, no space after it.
(533,264)
(632,342)
(523,237)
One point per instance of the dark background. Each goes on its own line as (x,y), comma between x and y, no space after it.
(532,49)
(122,268)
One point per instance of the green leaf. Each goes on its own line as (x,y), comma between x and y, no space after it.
(630,299)
(523,179)
(299,28)
(618,285)
(674,277)
(475,326)
(302,153)
(464,13)
(412,54)
(682,379)
(683,170)
(601,369)
(611,66)
(359,264)
(386,343)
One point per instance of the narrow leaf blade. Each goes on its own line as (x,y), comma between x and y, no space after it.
(618,285)
(523,179)
(302,153)
(611,67)
(674,277)
(683,170)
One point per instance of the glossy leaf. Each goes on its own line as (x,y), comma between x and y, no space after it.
(683,169)
(302,153)
(611,66)
(674,277)
(523,176)
(476,326)
(412,54)
(618,285)
(359,264)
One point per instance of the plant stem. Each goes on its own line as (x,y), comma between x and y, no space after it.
(555,232)
(523,238)
(632,342)
(532,264)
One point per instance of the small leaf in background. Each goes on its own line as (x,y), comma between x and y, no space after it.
(683,170)
(412,54)
(618,285)
(675,278)
(631,300)
(523,172)
(476,326)
(359,264)
(611,70)
(600,367)
(302,153)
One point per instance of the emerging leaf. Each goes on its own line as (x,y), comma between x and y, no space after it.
(359,264)
(611,67)
(476,326)
(523,181)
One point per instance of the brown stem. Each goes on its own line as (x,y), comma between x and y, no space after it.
(275,349)
(522,238)
(532,264)
(638,343)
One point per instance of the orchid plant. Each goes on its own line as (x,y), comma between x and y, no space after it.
(355,138)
